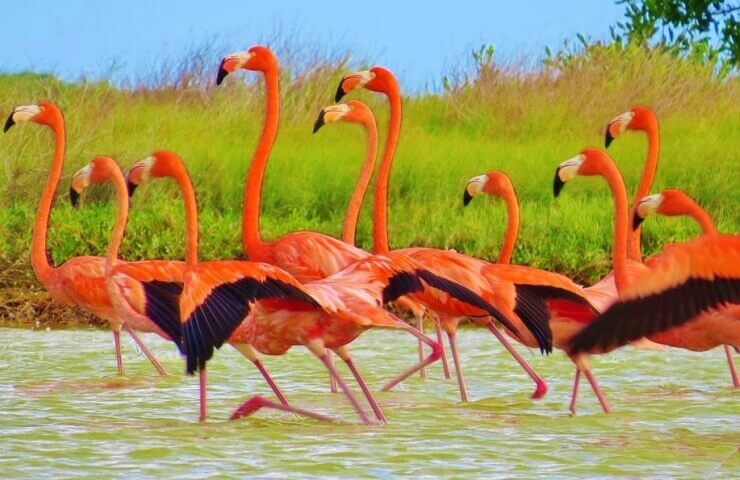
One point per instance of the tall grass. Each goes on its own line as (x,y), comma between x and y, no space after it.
(523,121)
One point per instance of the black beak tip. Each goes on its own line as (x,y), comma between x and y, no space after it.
(557,184)
(131,186)
(74,197)
(636,221)
(8,123)
(221,73)
(466,198)
(319,122)
(608,138)
(340,93)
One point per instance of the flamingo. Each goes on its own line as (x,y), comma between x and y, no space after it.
(524,295)
(671,202)
(79,281)
(211,292)
(676,289)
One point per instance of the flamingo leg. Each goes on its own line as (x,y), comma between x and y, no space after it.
(433,357)
(119,357)
(731,363)
(597,390)
(255,403)
(458,367)
(158,366)
(332,381)
(574,398)
(541,388)
(203,398)
(420,327)
(344,354)
(251,354)
(438,331)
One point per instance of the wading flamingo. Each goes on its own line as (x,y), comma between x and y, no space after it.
(679,284)
(517,296)
(306,255)
(672,203)
(166,301)
(79,281)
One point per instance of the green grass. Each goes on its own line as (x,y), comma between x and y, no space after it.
(524,123)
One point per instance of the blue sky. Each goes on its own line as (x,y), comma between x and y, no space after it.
(418,40)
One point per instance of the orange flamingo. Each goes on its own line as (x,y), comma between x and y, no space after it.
(522,296)
(123,280)
(672,203)
(306,255)
(677,287)
(79,281)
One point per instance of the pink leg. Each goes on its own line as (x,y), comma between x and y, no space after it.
(119,357)
(420,327)
(203,398)
(597,390)
(458,367)
(146,351)
(271,382)
(731,363)
(574,398)
(256,403)
(438,331)
(433,357)
(345,388)
(343,353)
(541,389)
(332,381)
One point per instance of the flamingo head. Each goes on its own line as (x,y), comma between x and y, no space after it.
(44,113)
(591,161)
(670,202)
(99,170)
(494,183)
(159,164)
(377,79)
(353,111)
(639,118)
(257,58)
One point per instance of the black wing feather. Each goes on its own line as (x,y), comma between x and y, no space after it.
(163,307)
(401,284)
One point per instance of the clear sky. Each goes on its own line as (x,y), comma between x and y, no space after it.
(419,40)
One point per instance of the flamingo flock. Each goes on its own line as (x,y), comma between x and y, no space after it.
(313,290)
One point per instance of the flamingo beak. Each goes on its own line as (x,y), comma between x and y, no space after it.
(9,122)
(24,113)
(222,72)
(352,81)
(566,171)
(340,92)
(319,121)
(473,188)
(131,187)
(80,181)
(74,197)
(608,138)
(647,206)
(636,221)
(467,197)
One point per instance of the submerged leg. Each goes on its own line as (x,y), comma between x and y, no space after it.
(458,367)
(597,390)
(541,388)
(203,398)
(255,403)
(420,327)
(733,370)
(438,331)
(433,357)
(576,381)
(344,354)
(119,357)
(251,354)
(158,366)
(332,381)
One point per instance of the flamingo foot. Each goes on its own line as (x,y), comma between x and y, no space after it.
(257,402)
(540,391)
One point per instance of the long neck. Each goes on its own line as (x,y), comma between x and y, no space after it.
(646,182)
(39,259)
(512,228)
(355,202)
(180,175)
(702,218)
(122,199)
(621,224)
(251,239)
(380,213)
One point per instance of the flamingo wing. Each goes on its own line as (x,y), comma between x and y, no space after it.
(311,256)
(217,298)
(685,281)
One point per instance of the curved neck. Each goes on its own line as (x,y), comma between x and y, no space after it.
(621,223)
(180,175)
(701,217)
(39,258)
(512,228)
(122,200)
(646,182)
(355,202)
(251,240)
(380,212)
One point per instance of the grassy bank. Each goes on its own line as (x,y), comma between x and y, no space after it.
(501,117)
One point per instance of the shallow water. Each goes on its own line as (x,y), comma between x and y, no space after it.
(64,414)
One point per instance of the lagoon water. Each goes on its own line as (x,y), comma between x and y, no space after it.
(64,414)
